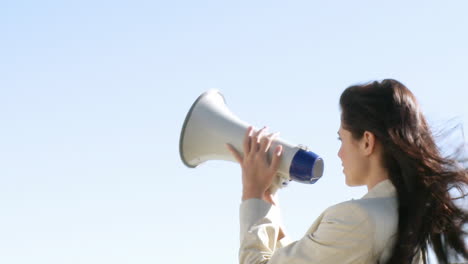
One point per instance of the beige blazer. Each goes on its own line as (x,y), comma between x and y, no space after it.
(357,231)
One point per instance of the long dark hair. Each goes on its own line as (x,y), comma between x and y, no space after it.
(427,213)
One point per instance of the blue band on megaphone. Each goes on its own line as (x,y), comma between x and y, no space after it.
(302,167)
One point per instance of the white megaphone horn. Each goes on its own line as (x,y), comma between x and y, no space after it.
(209,125)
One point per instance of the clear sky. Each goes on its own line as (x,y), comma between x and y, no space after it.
(93,95)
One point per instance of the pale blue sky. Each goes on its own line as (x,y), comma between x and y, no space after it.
(93,95)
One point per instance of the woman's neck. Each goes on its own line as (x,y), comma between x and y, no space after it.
(376,175)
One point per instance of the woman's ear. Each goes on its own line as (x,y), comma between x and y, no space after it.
(368,143)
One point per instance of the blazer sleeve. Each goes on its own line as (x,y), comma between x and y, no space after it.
(344,233)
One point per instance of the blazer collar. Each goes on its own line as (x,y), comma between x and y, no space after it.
(384,188)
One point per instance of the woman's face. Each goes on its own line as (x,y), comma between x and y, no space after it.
(355,165)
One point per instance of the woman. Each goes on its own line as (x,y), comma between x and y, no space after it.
(387,146)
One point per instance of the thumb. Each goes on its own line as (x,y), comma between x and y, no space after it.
(234,153)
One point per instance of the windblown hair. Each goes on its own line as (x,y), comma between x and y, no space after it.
(428,215)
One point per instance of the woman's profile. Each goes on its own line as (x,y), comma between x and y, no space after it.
(386,145)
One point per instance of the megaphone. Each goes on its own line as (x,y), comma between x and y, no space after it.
(209,125)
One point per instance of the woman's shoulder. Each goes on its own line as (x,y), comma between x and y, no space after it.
(379,203)
(374,209)
(375,217)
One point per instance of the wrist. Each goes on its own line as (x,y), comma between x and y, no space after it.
(270,198)
(252,194)
(265,196)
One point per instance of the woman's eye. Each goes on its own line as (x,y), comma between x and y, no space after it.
(338,138)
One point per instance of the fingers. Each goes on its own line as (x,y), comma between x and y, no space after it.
(275,161)
(256,144)
(255,140)
(247,140)
(266,141)
(235,153)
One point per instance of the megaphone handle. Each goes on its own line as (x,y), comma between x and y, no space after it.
(273,188)
(279,182)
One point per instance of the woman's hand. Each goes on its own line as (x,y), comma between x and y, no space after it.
(257,172)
